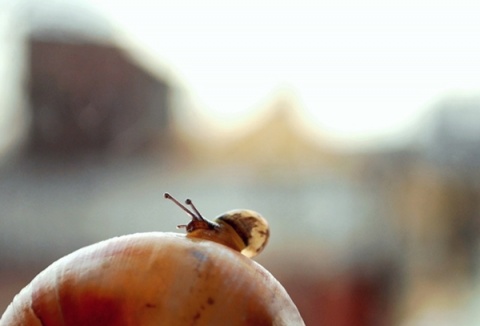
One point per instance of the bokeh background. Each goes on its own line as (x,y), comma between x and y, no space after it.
(354,128)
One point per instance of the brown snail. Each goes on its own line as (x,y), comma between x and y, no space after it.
(242,230)
(160,278)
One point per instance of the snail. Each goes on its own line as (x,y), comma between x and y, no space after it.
(242,230)
(203,277)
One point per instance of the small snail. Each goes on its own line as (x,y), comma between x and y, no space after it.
(242,230)
(161,278)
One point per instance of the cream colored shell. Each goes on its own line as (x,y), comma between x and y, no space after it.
(250,226)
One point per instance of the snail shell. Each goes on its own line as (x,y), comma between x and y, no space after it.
(250,226)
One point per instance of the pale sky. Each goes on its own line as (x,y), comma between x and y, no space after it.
(360,70)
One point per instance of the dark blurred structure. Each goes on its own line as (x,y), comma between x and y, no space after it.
(87,92)
(91,98)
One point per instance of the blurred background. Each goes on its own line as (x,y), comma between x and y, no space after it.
(354,128)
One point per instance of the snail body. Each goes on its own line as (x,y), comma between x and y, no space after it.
(158,278)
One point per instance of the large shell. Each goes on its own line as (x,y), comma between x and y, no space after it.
(250,226)
(153,279)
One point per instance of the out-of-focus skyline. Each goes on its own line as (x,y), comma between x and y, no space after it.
(359,71)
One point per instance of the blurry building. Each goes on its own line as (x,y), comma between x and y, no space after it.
(276,141)
(90,97)
(430,191)
(454,136)
(86,93)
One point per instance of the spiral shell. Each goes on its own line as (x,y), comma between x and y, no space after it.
(250,226)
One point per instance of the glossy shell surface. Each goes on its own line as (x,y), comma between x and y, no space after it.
(153,279)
